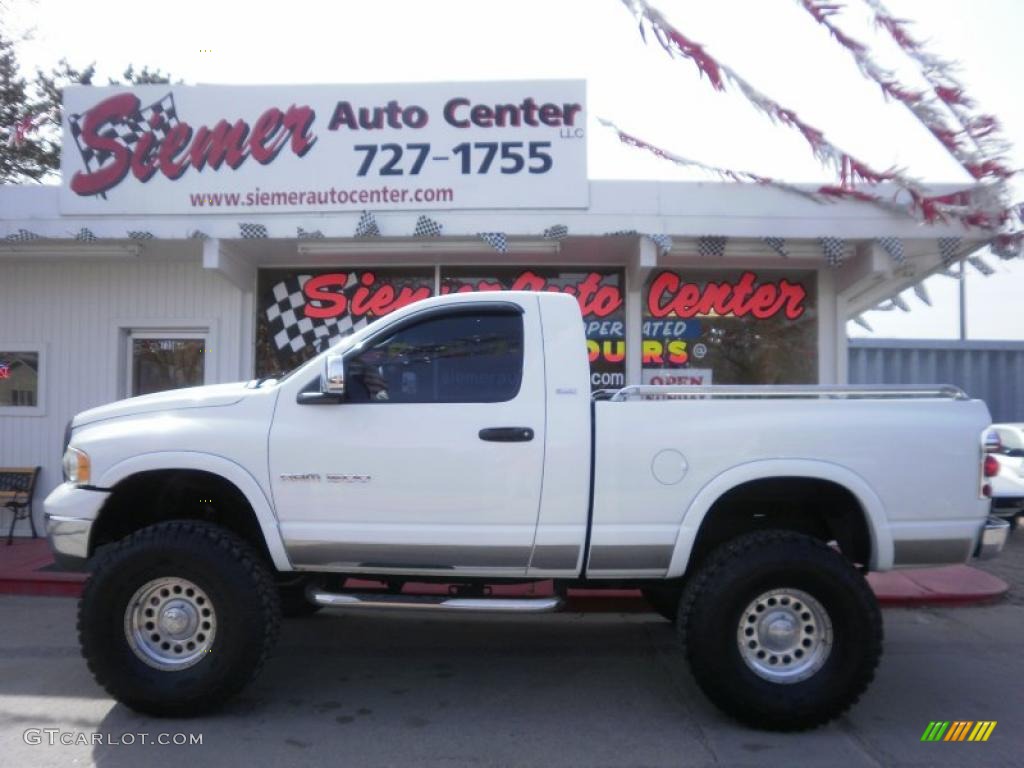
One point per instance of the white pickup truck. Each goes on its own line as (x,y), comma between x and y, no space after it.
(457,441)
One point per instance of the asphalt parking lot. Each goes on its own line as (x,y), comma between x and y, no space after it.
(562,690)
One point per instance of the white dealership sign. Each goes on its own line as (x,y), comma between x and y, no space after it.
(262,149)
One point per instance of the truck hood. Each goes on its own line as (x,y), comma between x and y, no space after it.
(175,399)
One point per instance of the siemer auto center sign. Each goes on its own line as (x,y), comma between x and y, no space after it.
(176,149)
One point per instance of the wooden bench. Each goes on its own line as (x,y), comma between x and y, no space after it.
(17,487)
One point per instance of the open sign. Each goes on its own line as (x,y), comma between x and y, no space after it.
(683,377)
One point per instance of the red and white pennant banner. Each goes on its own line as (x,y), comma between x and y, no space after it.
(978,206)
(972,141)
(979,129)
(928,109)
(724,173)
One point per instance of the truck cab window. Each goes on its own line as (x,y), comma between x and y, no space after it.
(458,358)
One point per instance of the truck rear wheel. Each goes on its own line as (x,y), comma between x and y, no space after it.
(780,630)
(178,617)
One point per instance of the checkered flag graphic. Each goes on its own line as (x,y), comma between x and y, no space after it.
(21,236)
(162,112)
(253,231)
(833,250)
(367,226)
(135,234)
(496,240)
(894,247)
(948,247)
(556,232)
(290,328)
(922,293)
(664,243)
(777,244)
(303,234)
(980,265)
(85,235)
(711,245)
(426,227)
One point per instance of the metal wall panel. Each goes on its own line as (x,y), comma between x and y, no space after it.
(74,310)
(992,371)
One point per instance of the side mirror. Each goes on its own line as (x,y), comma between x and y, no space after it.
(333,380)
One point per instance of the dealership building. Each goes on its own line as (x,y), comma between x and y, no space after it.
(212,233)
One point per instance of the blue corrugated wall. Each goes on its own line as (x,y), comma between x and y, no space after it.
(992,371)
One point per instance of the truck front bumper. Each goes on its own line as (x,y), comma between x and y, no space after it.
(71,512)
(993,538)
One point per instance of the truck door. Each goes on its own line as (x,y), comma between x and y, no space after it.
(433,461)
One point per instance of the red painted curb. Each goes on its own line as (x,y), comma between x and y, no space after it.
(40,588)
(952,585)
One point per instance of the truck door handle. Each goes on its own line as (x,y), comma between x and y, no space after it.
(507,434)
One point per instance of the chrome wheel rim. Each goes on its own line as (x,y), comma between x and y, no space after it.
(170,623)
(784,636)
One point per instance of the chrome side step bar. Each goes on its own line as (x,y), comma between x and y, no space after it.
(434,602)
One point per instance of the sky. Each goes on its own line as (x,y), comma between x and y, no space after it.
(775,44)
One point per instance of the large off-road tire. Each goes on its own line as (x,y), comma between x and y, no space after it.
(780,630)
(178,617)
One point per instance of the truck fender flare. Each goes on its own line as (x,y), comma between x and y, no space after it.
(874,510)
(217,465)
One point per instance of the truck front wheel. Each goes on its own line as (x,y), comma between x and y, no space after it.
(178,617)
(780,630)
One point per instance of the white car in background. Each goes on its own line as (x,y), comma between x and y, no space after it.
(1008,484)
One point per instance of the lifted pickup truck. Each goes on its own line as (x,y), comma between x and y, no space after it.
(457,441)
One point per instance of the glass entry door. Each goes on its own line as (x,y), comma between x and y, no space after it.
(158,361)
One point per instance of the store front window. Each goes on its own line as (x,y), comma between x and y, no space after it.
(598,291)
(19,379)
(730,327)
(301,312)
(162,361)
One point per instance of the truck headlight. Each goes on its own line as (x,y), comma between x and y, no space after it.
(76,466)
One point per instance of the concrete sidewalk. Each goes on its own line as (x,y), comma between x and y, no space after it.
(27,568)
